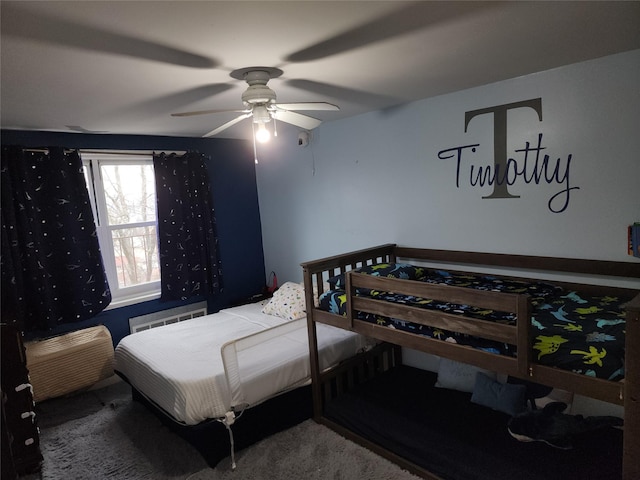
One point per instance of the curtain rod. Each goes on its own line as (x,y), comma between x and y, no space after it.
(108,152)
(133,152)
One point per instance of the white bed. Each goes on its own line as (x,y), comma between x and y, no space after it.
(207,367)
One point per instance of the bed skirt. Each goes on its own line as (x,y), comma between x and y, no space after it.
(211,438)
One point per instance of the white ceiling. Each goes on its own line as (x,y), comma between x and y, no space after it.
(123,67)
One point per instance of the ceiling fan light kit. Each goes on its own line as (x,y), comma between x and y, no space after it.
(260,103)
(258,95)
(262,135)
(261,114)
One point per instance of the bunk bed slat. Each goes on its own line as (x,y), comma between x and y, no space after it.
(612,392)
(446,321)
(506,302)
(465,354)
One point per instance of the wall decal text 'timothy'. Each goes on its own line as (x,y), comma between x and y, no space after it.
(528,166)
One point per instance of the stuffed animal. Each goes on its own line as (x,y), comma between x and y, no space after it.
(555,428)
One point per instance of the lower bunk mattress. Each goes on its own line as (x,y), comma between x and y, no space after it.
(441,431)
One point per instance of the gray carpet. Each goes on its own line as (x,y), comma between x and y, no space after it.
(103,434)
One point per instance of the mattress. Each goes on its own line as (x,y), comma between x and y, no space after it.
(180,366)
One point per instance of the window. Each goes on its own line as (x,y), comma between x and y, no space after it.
(122,190)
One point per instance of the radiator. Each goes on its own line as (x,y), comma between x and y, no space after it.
(166,317)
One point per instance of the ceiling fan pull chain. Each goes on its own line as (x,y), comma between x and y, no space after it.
(275,129)
(255,150)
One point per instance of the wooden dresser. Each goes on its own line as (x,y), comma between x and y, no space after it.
(20,435)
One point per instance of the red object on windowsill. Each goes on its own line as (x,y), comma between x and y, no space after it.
(274,283)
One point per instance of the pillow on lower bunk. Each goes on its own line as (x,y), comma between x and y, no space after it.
(503,397)
(287,302)
(459,376)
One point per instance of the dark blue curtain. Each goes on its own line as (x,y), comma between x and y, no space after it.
(52,270)
(189,257)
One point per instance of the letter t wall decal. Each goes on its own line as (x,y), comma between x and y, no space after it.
(500,186)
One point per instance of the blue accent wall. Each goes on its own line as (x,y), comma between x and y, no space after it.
(233,183)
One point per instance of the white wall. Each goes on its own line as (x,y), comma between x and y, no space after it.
(377,178)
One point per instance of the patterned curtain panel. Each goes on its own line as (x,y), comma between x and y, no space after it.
(189,260)
(52,270)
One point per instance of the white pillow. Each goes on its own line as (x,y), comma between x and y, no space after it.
(287,302)
(459,376)
(325,288)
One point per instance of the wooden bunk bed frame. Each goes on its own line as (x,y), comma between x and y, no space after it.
(626,393)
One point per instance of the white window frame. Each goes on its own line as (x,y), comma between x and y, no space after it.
(92,161)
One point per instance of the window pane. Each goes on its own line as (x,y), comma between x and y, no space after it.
(136,255)
(130,193)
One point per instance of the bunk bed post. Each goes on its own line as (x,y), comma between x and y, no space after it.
(317,269)
(350,310)
(523,311)
(316,389)
(631,448)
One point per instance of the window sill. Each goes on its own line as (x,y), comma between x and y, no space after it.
(132,300)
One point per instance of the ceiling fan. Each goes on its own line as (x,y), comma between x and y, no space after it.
(260,104)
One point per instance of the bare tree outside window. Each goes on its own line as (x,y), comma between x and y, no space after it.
(131,212)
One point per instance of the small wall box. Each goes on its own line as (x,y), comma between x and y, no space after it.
(634,239)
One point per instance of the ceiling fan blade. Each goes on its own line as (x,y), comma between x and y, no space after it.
(25,22)
(405,19)
(207,112)
(307,106)
(227,125)
(162,103)
(78,128)
(297,119)
(349,95)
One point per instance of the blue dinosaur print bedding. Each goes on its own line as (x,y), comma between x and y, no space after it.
(573,331)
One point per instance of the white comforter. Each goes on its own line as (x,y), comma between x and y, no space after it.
(180,366)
